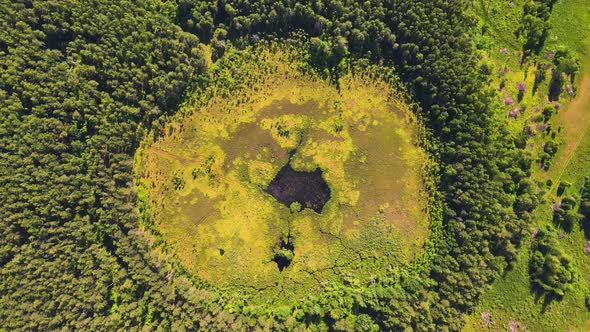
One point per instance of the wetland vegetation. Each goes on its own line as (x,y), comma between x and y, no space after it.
(297,175)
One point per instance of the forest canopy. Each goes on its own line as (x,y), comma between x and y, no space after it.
(84,83)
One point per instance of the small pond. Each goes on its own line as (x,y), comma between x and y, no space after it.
(307,188)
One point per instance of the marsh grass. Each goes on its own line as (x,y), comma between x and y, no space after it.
(229,142)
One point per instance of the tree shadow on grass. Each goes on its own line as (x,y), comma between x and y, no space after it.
(545,297)
(540,76)
(585,226)
(555,86)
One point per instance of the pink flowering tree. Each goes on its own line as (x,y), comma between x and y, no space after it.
(521,86)
(486,317)
(514,113)
(512,326)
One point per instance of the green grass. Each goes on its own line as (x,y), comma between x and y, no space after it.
(570,21)
(499,20)
(510,297)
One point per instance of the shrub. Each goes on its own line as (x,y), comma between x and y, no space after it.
(551,271)
(548,112)
(562,187)
(585,199)
(567,62)
(550,148)
(564,215)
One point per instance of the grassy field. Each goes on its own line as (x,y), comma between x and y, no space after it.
(510,301)
(204,182)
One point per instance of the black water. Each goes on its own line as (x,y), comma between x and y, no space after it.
(307,188)
(284,254)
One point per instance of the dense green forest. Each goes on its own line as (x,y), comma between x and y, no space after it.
(83,82)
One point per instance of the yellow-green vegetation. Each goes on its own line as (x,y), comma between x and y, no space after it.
(503,57)
(204,180)
(511,302)
(502,21)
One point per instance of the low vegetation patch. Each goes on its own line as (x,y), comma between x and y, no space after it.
(288,184)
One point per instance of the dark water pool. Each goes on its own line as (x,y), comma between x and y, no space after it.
(307,188)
